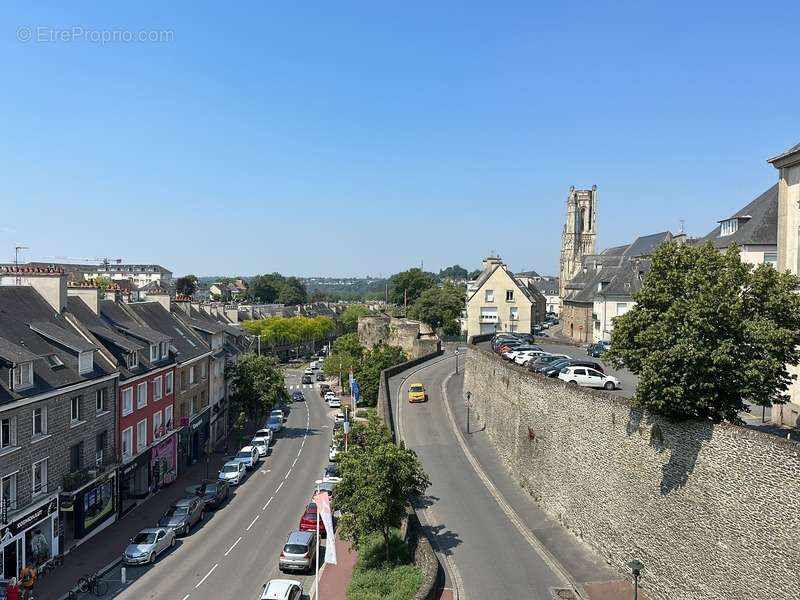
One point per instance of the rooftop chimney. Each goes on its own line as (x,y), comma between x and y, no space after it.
(184,303)
(86,291)
(49,282)
(162,298)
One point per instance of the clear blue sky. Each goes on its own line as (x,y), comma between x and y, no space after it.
(346,138)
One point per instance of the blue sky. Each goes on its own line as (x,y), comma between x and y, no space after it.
(363,138)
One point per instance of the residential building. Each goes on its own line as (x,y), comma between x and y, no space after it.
(146,435)
(140,274)
(549,287)
(579,236)
(499,301)
(754,229)
(57,402)
(788,165)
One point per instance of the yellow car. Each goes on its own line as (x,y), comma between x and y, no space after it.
(416,393)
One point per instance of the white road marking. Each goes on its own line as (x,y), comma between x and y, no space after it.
(267,504)
(234,546)
(304,442)
(263,471)
(253,522)
(279,487)
(287,474)
(299,451)
(186,596)
(206,576)
(295,462)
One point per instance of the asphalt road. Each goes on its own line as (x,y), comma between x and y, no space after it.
(486,556)
(236,549)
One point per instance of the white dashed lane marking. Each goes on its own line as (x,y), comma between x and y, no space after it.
(253,522)
(279,487)
(234,546)
(186,596)
(287,474)
(267,504)
(199,583)
(295,462)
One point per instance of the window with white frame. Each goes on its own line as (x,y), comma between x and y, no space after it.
(127,401)
(489,295)
(8,432)
(39,421)
(23,376)
(141,395)
(168,425)
(127,442)
(141,435)
(728,227)
(39,477)
(153,352)
(100,401)
(8,491)
(514,314)
(164,349)
(75,409)
(86,361)
(133,360)
(99,447)
(203,370)
(168,383)
(157,423)
(191,375)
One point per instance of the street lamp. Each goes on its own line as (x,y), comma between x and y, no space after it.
(456,361)
(636,569)
(467,403)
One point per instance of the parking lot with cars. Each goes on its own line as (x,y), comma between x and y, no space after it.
(232,535)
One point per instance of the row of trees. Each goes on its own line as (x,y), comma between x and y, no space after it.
(291,331)
(275,288)
(379,479)
(257,386)
(347,353)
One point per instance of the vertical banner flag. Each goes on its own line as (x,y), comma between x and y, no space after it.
(356,389)
(324,512)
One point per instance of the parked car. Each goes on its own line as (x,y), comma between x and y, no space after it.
(327,487)
(183,515)
(555,368)
(308,522)
(320,376)
(275,424)
(417,393)
(278,412)
(308,371)
(338,418)
(331,473)
(545,360)
(586,377)
(334,402)
(306,379)
(233,472)
(264,434)
(298,553)
(249,457)
(314,365)
(213,493)
(146,545)
(333,453)
(262,445)
(525,355)
(597,350)
(282,589)
(324,389)
(298,396)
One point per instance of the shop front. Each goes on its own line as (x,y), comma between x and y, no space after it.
(164,462)
(89,508)
(134,482)
(30,537)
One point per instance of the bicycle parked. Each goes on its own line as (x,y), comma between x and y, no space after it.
(90,583)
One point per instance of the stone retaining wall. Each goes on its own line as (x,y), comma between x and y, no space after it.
(713,511)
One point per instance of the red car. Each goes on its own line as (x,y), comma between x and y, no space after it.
(308,522)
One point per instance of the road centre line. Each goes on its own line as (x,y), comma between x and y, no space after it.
(279,487)
(253,522)
(199,583)
(185,597)
(295,462)
(287,474)
(234,546)
(267,504)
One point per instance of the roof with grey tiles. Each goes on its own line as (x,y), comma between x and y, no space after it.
(758,223)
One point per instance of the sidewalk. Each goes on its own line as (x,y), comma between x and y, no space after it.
(590,572)
(107,546)
(335,578)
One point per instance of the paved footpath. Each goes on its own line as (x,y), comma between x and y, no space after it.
(335,578)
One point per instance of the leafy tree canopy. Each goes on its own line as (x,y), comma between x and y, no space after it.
(412,282)
(346,352)
(186,285)
(440,307)
(454,272)
(350,316)
(103,283)
(474,274)
(709,334)
(275,287)
(257,385)
(368,372)
(283,331)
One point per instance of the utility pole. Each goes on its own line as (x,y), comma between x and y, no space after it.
(467,403)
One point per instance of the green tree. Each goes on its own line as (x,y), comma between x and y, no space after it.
(377,483)
(409,283)
(440,307)
(263,288)
(103,283)
(474,274)
(292,291)
(257,385)
(709,334)
(455,272)
(186,285)
(350,316)
(368,371)
(346,353)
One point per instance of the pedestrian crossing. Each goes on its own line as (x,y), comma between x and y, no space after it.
(301,386)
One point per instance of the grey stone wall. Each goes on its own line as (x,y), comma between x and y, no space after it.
(712,511)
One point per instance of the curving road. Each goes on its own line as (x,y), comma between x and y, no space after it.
(236,549)
(486,555)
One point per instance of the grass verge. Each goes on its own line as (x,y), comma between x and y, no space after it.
(374,579)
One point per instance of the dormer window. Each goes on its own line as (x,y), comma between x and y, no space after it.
(728,227)
(154,352)
(23,376)
(133,360)
(164,349)
(86,362)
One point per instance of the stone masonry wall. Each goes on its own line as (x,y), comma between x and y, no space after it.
(713,512)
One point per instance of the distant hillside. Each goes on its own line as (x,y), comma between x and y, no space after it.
(346,288)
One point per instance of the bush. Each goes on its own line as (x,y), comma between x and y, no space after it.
(364,413)
(373,579)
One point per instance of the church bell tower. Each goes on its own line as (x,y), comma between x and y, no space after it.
(580,233)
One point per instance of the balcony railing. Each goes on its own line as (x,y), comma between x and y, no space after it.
(73,481)
(488,319)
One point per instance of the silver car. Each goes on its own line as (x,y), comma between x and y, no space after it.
(298,552)
(147,545)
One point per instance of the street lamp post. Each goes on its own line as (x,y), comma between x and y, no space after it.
(636,569)
(469,395)
(456,361)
